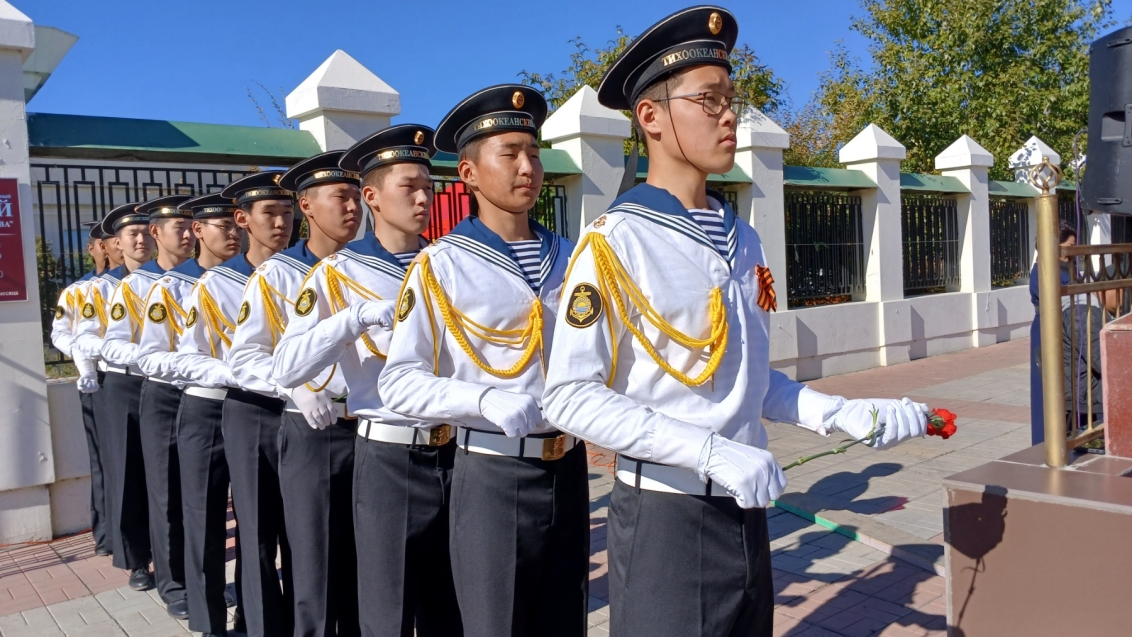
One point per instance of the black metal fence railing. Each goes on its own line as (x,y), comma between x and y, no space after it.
(66,195)
(930,226)
(825,252)
(1009,242)
(452,202)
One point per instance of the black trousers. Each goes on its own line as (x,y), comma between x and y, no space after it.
(125,475)
(316,477)
(401,531)
(251,425)
(98,517)
(520,544)
(687,565)
(204,500)
(160,403)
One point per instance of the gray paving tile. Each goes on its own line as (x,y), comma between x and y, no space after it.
(36,622)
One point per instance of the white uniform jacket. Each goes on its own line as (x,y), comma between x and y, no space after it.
(268,305)
(428,373)
(325,330)
(642,411)
(65,325)
(213,308)
(95,313)
(127,316)
(166,318)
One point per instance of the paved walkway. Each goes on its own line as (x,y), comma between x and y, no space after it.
(825,583)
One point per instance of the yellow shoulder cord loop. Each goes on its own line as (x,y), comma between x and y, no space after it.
(275,322)
(214,320)
(99,304)
(334,282)
(70,299)
(135,305)
(615,281)
(460,325)
(173,307)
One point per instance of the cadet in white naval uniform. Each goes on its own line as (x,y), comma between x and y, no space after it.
(316,445)
(662,355)
(203,478)
(474,327)
(402,465)
(63,329)
(161,400)
(252,414)
(115,344)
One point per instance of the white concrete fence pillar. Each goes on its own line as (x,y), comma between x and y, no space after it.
(875,153)
(759,146)
(1020,162)
(26,458)
(594,137)
(342,102)
(970,163)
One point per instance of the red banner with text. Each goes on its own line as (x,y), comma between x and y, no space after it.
(13,282)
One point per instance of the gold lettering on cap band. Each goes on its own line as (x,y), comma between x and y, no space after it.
(402,153)
(130,220)
(165,211)
(695,54)
(493,122)
(332,174)
(265,192)
(208,210)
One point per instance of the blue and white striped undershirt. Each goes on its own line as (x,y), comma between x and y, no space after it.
(406,257)
(712,223)
(526,254)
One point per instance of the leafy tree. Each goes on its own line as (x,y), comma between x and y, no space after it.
(997,70)
(755,82)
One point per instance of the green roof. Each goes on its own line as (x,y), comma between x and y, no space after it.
(835,178)
(931,183)
(85,136)
(555,163)
(733,176)
(1011,189)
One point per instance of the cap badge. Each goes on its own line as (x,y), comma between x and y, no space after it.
(715,23)
(517,99)
(418,139)
(276,178)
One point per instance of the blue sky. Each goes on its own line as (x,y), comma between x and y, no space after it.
(194,60)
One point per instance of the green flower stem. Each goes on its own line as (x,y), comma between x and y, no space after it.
(869,440)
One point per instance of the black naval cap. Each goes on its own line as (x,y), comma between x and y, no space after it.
(256,187)
(94,229)
(403,143)
(496,109)
(165,207)
(696,36)
(211,206)
(122,216)
(320,169)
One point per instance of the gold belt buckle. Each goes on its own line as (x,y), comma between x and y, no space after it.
(439,436)
(554,448)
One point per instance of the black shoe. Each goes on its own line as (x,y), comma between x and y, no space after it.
(141,579)
(229,600)
(102,551)
(178,609)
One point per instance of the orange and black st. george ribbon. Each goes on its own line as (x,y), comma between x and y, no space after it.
(767,299)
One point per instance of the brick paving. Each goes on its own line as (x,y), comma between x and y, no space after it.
(825,583)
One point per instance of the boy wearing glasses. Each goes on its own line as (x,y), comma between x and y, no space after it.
(172,310)
(661,353)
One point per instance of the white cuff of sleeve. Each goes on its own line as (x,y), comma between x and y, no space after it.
(677,443)
(461,399)
(815,409)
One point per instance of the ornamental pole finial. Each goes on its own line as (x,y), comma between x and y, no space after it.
(1045,176)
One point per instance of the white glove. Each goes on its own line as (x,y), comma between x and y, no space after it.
(751,475)
(376,313)
(902,419)
(317,407)
(88,383)
(515,414)
(218,377)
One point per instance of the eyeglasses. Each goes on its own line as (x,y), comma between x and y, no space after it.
(226,228)
(712,102)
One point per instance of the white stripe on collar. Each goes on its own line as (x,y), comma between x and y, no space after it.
(375,263)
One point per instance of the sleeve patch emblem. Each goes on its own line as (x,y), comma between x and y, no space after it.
(58,311)
(88,311)
(191,320)
(118,312)
(158,313)
(585,306)
(245,311)
(306,302)
(408,300)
